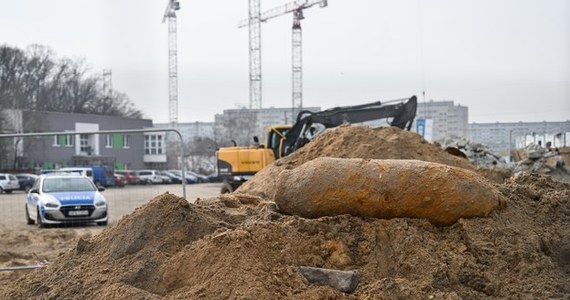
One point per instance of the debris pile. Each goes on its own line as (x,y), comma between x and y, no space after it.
(535,158)
(548,161)
(477,153)
(241,246)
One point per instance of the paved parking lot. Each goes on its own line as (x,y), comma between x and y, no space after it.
(121,200)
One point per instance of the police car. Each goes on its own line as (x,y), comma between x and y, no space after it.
(60,198)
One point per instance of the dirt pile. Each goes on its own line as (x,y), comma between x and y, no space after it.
(17,247)
(239,247)
(349,141)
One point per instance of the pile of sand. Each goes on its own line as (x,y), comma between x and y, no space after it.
(362,142)
(238,246)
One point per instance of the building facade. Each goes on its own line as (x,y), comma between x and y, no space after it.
(502,137)
(445,119)
(192,130)
(121,151)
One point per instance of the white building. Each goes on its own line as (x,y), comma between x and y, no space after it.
(500,137)
(447,119)
(192,130)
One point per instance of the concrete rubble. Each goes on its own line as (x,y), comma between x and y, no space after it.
(476,153)
(345,281)
(535,158)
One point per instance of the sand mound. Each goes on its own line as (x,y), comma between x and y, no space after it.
(240,248)
(237,246)
(349,141)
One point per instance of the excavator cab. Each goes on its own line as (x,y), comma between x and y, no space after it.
(275,137)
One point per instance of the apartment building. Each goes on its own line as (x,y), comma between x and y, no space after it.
(444,119)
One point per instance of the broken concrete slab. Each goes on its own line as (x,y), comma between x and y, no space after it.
(345,281)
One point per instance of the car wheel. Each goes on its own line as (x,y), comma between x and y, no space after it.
(29,220)
(1,190)
(102,223)
(39,219)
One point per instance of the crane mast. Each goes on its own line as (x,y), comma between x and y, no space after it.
(254,20)
(297,63)
(254,54)
(170,15)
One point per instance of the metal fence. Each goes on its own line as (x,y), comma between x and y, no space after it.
(122,199)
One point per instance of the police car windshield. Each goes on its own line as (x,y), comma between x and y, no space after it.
(71,184)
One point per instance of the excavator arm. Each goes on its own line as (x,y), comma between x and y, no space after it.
(401,111)
(237,164)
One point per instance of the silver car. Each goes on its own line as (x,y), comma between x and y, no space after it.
(65,198)
(8,183)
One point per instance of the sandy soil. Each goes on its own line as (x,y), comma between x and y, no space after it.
(240,246)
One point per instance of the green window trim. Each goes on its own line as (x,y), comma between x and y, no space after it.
(117,141)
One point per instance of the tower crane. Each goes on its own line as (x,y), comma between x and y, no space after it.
(254,20)
(170,14)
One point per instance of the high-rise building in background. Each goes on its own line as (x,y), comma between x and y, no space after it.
(441,119)
(446,119)
(192,130)
(502,137)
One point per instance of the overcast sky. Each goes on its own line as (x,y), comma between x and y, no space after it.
(507,60)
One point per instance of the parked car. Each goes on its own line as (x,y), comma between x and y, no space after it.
(149,176)
(65,198)
(120,180)
(199,177)
(8,183)
(189,177)
(215,178)
(165,179)
(130,176)
(173,178)
(101,175)
(26,181)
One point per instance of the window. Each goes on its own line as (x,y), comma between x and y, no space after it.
(68,138)
(153,144)
(63,140)
(109,141)
(159,144)
(84,143)
(126,141)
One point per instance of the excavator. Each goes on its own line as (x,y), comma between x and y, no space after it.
(239,163)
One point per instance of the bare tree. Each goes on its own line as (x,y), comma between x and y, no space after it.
(200,155)
(34,79)
(11,68)
(239,126)
(118,104)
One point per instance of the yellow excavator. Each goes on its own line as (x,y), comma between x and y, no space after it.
(239,163)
